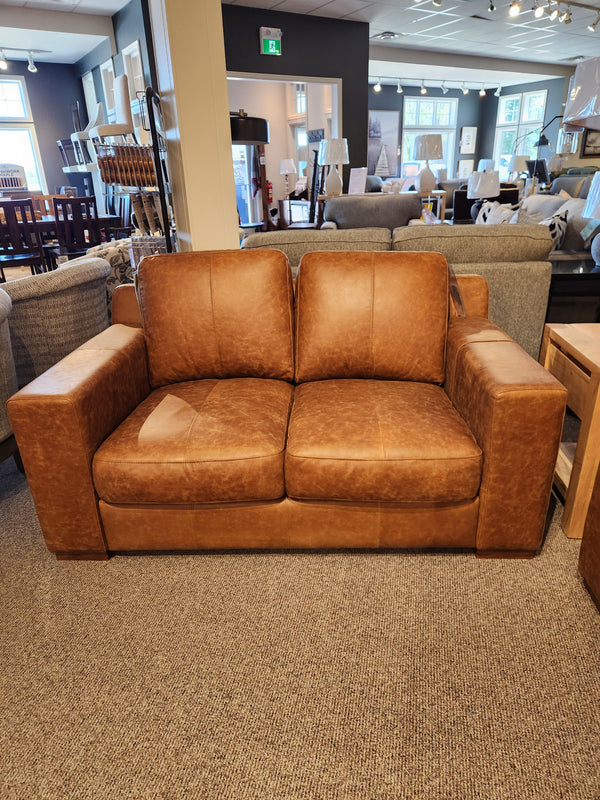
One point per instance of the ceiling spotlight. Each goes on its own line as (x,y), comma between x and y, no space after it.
(482,91)
(464,88)
(437,3)
(567,17)
(3,61)
(444,88)
(386,35)
(515,9)
(423,88)
(591,26)
(538,11)
(399,88)
(554,13)
(498,92)
(491,6)
(377,87)
(30,65)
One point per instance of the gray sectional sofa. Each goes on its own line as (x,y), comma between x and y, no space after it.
(513,258)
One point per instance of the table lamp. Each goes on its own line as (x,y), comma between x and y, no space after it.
(287,168)
(427,146)
(516,167)
(331,153)
(480,187)
(591,210)
(583,106)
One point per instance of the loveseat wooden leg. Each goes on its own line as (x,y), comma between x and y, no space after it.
(506,553)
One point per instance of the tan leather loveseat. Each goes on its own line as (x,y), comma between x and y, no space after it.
(361,413)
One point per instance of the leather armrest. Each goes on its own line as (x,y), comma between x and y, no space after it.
(475,293)
(515,410)
(125,309)
(60,419)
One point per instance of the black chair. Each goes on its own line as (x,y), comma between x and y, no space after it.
(77,227)
(21,242)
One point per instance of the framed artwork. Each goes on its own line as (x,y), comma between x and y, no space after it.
(590,144)
(107,73)
(468,139)
(382,153)
(567,142)
(465,167)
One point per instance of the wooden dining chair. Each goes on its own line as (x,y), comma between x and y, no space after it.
(20,238)
(42,203)
(77,227)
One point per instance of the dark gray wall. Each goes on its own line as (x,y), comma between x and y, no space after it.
(311,47)
(52,91)
(474,110)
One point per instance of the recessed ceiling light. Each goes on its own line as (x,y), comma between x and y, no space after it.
(385,35)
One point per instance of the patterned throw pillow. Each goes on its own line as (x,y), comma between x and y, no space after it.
(495,213)
(484,212)
(557,225)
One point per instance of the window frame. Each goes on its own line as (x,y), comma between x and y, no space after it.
(25,123)
(525,129)
(418,129)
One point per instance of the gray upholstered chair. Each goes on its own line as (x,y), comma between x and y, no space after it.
(54,313)
(8,381)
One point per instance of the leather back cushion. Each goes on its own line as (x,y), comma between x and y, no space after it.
(217,314)
(371,315)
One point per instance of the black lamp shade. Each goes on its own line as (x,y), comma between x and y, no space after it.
(542,141)
(249,130)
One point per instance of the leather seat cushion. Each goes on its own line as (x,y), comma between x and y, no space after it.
(205,441)
(379,441)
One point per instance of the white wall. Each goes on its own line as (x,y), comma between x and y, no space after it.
(267,99)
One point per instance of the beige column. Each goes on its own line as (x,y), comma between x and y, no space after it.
(190,55)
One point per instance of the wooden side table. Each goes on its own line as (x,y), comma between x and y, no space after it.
(571,352)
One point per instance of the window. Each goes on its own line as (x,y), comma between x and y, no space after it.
(429,115)
(300,89)
(518,124)
(18,142)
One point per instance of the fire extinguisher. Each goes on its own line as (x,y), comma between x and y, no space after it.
(269,192)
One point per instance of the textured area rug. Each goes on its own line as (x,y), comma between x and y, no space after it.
(294,676)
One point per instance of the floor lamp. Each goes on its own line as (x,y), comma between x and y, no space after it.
(287,168)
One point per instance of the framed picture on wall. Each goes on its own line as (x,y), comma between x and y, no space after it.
(468,139)
(590,144)
(107,74)
(567,142)
(465,167)
(382,153)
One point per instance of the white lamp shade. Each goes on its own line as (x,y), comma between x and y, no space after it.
(485,165)
(518,164)
(591,210)
(583,106)
(333,151)
(428,146)
(483,185)
(287,166)
(411,170)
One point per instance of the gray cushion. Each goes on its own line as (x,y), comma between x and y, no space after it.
(377,210)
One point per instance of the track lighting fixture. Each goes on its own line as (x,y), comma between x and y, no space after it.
(377,87)
(464,89)
(554,13)
(491,6)
(3,61)
(437,3)
(515,9)
(498,92)
(538,11)
(423,88)
(482,91)
(399,88)
(592,25)
(567,17)
(444,88)
(30,65)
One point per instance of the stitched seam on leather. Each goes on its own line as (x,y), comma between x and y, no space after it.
(212,314)
(433,459)
(190,461)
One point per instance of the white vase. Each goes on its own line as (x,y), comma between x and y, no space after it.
(425,180)
(333,183)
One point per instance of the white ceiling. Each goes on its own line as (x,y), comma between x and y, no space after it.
(57,31)
(450,41)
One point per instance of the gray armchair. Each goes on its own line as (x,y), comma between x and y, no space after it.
(55,312)
(8,381)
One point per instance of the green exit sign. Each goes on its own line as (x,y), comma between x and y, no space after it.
(270,41)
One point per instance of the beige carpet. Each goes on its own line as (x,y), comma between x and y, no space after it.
(257,676)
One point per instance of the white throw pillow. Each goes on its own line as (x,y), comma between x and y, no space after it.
(484,211)
(496,213)
(557,225)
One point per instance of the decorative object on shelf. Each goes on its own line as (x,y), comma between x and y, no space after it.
(287,168)
(126,164)
(331,153)
(480,187)
(591,210)
(428,147)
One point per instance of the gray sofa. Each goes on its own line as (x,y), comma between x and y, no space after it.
(513,258)
(375,210)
